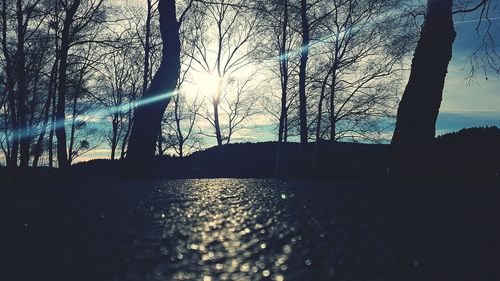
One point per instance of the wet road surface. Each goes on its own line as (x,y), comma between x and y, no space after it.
(226,229)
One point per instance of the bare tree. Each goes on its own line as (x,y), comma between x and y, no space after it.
(421,101)
(180,132)
(237,106)
(223,54)
(362,68)
(78,16)
(148,116)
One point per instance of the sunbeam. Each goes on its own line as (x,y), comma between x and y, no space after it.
(27,132)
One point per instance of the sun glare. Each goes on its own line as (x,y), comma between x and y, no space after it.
(208,84)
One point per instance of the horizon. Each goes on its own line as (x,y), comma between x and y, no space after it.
(467,102)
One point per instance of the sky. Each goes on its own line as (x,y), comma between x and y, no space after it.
(466,102)
(469,103)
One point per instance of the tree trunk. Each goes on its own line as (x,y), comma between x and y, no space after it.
(218,133)
(302,76)
(333,116)
(37,151)
(419,106)
(123,149)
(148,116)
(320,116)
(281,160)
(15,128)
(114,137)
(62,154)
(51,131)
(22,88)
(177,116)
(147,49)
(160,142)
(72,138)
(10,81)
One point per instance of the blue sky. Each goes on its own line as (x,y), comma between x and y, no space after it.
(466,103)
(469,103)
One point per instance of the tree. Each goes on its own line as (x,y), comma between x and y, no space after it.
(180,121)
(421,101)
(357,67)
(76,21)
(237,105)
(222,54)
(277,20)
(148,115)
(306,31)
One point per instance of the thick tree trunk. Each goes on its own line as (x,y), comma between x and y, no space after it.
(302,75)
(419,106)
(62,153)
(148,116)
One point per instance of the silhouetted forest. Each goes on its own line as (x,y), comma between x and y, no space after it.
(470,154)
(144,80)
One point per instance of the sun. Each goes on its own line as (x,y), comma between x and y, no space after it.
(208,84)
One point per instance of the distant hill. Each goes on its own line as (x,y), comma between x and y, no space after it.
(469,154)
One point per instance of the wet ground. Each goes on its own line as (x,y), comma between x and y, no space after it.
(250,230)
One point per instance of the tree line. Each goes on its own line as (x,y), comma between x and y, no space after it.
(80,75)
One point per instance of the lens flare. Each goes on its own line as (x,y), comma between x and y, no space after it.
(28,132)
(122,108)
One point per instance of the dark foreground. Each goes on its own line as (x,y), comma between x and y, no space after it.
(250,230)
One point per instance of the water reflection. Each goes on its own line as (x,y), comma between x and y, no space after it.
(255,230)
(218,229)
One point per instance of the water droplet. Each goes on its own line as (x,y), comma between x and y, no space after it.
(163,215)
(283,196)
(279,278)
(263,245)
(219,266)
(266,273)
(180,256)
(308,262)
(245,267)
(287,249)
(207,278)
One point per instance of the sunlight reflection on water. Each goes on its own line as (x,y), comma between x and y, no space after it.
(226,228)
